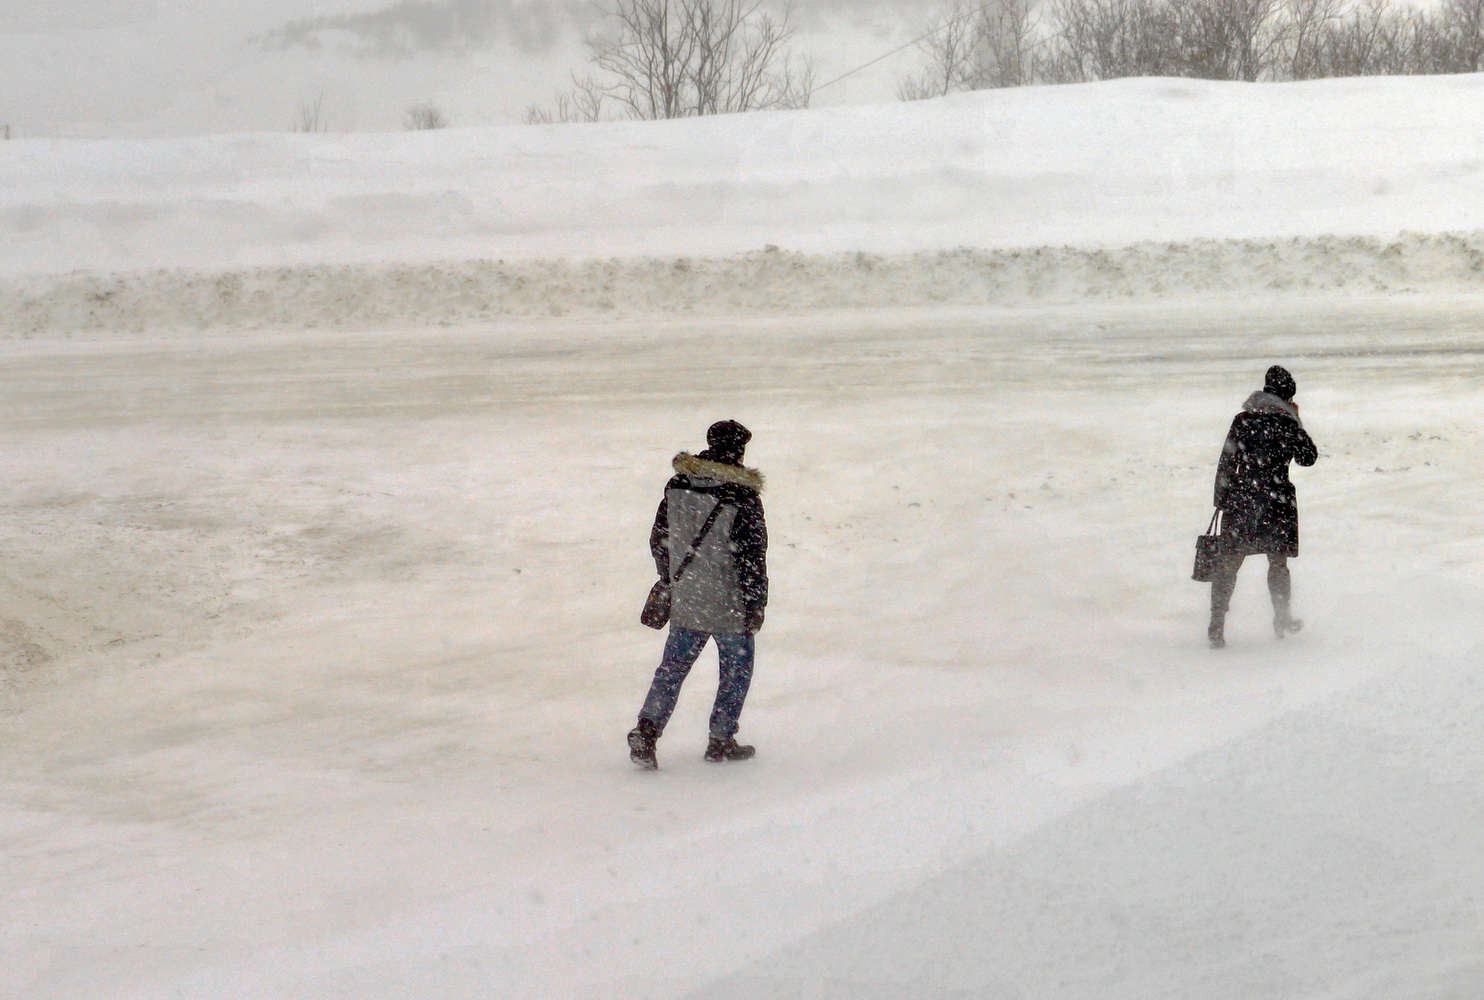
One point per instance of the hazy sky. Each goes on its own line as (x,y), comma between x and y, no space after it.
(156,67)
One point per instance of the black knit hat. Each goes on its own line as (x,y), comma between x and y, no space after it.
(728,440)
(1280,383)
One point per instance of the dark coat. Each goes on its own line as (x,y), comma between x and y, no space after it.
(725,588)
(1259,505)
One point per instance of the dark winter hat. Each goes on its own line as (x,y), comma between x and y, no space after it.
(1280,383)
(728,439)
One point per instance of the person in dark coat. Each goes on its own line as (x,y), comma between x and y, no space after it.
(712,506)
(1259,506)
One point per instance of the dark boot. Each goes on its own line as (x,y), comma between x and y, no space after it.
(720,749)
(1222,586)
(1280,588)
(642,739)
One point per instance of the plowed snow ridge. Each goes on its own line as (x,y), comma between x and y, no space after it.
(352,296)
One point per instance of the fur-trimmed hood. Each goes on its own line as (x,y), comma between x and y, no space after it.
(687,464)
(1262,401)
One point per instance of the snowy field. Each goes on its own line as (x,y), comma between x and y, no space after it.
(1097,164)
(324,647)
(318,643)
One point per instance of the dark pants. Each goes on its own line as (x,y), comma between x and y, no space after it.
(735,650)
(1225,581)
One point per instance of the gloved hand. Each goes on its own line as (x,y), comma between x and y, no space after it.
(753,620)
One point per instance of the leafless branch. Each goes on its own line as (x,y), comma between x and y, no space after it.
(680,58)
(424,116)
(311,116)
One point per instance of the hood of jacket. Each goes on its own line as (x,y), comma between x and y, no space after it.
(689,465)
(1262,401)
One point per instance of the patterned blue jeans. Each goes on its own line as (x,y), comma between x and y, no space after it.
(735,650)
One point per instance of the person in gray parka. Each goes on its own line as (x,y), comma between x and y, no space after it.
(712,506)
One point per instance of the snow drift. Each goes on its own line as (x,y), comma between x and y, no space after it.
(350,296)
(1134,187)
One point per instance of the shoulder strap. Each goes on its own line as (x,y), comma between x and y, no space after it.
(696,545)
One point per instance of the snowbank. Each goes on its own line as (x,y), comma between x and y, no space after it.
(374,295)
(1131,188)
(1128,162)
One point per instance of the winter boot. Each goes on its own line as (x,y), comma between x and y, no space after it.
(641,745)
(1285,624)
(1216,633)
(720,749)
(1281,589)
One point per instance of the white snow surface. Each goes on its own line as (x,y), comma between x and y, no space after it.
(1103,163)
(318,632)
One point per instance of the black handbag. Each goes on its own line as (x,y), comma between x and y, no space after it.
(656,613)
(1208,551)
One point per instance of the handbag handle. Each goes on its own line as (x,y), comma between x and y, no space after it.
(1213,528)
(696,545)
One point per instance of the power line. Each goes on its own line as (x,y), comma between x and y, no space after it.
(921,38)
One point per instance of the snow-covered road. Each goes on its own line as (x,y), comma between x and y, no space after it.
(328,649)
(1333,852)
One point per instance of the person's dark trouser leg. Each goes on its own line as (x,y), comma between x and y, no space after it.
(1222,586)
(736,651)
(681,650)
(1280,587)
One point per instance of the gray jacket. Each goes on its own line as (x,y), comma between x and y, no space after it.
(725,587)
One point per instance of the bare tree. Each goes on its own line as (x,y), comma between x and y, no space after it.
(1421,43)
(1461,35)
(1446,38)
(1205,39)
(976,45)
(583,103)
(1223,39)
(1306,24)
(1109,39)
(680,58)
(1010,49)
(423,116)
(949,47)
(1360,42)
(311,116)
